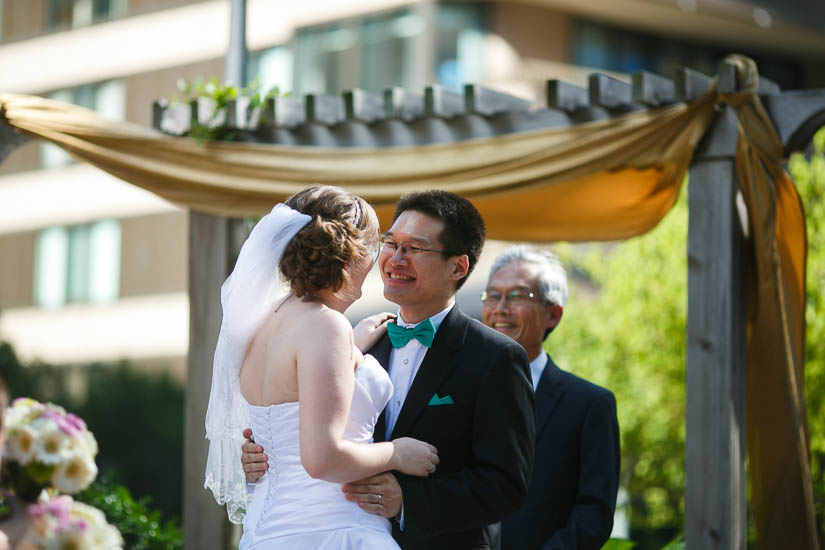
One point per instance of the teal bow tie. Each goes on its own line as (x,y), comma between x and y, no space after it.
(424,332)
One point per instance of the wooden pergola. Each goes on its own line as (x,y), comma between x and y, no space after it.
(716,381)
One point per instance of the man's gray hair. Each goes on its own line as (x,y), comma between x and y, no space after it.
(547,269)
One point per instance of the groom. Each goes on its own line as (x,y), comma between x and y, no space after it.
(465,389)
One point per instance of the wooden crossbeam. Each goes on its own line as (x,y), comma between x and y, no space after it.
(690,84)
(399,103)
(611,93)
(324,109)
(796,115)
(566,97)
(203,111)
(442,103)
(283,111)
(171,118)
(652,89)
(488,102)
(363,106)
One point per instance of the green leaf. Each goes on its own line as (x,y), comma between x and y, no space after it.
(676,544)
(40,473)
(619,544)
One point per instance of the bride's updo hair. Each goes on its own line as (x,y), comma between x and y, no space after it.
(343,229)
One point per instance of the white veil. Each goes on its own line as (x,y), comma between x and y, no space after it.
(248,294)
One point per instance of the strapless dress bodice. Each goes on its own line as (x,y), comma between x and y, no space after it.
(290,509)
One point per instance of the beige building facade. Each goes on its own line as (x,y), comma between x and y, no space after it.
(93,269)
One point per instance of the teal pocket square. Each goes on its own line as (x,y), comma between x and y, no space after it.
(435,400)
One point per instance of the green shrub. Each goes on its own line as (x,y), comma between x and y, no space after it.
(142,528)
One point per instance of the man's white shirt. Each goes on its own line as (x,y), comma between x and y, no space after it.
(537,367)
(404,365)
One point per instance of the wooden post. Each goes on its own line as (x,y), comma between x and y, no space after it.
(715,446)
(214,243)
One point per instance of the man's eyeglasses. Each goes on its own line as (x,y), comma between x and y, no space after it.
(390,246)
(515,296)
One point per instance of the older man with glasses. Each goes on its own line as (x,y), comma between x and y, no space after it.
(572,495)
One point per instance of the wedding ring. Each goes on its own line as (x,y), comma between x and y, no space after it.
(380,498)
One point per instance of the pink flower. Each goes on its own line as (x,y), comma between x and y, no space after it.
(71,424)
(59,508)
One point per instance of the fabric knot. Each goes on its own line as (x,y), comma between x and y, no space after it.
(747,81)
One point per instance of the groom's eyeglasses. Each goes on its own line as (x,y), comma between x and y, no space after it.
(390,246)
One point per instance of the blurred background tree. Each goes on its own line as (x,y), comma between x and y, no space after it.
(808,172)
(624,328)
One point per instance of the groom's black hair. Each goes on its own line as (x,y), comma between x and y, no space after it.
(464,231)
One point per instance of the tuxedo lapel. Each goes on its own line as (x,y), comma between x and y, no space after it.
(439,361)
(548,393)
(381,351)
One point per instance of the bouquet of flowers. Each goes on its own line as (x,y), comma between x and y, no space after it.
(63,523)
(47,447)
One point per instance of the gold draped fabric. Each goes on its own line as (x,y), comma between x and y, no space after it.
(605,180)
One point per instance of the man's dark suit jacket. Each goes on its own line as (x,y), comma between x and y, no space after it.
(483,430)
(572,495)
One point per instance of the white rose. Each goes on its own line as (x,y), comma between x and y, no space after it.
(74,475)
(73,539)
(22,445)
(85,444)
(53,444)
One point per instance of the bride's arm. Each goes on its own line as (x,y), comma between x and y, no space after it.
(326,379)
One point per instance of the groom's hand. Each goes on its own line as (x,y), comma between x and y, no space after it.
(366,494)
(253,458)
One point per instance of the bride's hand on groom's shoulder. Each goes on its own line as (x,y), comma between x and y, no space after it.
(370,330)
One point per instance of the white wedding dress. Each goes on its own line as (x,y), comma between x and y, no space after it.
(291,510)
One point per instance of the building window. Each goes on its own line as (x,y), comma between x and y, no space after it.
(70,14)
(372,53)
(379,51)
(272,68)
(107,98)
(386,50)
(77,264)
(600,46)
(459,45)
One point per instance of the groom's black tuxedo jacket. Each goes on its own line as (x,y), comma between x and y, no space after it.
(572,493)
(483,428)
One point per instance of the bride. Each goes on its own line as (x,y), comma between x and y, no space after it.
(289,365)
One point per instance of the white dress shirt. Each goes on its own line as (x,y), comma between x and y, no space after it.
(404,365)
(537,367)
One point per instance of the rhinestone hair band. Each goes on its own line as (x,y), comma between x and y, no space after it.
(357,213)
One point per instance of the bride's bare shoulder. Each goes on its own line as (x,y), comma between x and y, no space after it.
(332,323)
